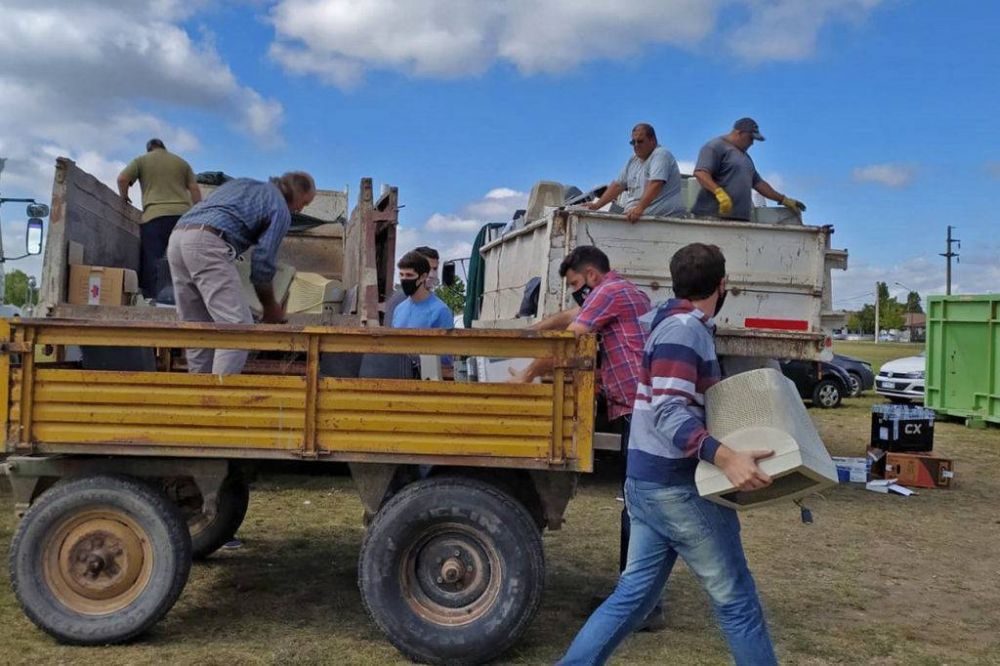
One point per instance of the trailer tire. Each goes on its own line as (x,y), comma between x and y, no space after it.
(99,559)
(452,571)
(208,536)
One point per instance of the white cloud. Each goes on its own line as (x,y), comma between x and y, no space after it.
(890,175)
(337,40)
(502,193)
(75,77)
(457,250)
(452,233)
(497,206)
(789,29)
(686,166)
(451,223)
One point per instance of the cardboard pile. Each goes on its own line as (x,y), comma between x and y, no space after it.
(901,453)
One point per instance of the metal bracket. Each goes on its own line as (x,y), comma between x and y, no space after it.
(576,364)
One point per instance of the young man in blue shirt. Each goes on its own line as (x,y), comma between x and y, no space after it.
(421,309)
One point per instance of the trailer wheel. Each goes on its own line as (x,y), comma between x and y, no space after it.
(209,535)
(99,560)
(452,570)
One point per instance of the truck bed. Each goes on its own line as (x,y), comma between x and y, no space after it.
(304,416)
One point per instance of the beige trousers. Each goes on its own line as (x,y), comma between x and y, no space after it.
(207,287)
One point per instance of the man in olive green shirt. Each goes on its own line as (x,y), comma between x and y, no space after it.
(169,189)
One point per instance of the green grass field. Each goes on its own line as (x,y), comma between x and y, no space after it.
(876,579)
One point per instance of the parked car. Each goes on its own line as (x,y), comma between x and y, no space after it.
(860,373)
(902,380)
(825,384)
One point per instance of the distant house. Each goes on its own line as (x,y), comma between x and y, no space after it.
(915,326)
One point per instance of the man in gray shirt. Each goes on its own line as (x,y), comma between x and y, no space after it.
(650,180)
(727,174)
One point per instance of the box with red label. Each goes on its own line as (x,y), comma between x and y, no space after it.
(920,471)
(101,285)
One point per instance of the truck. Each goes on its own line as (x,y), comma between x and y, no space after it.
(124,473)
(780,303)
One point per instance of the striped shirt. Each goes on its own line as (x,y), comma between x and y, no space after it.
(668,422)
(250,214)
(613,309)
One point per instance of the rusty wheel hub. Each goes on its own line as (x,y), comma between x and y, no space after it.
(451,575)
(97,562)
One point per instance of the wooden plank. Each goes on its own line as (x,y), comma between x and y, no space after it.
(208,437)
(158,415)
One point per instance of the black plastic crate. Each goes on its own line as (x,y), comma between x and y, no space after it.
(902,428)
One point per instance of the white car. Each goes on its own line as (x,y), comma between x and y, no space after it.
(902,380)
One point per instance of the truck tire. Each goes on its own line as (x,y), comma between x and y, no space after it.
(99,560)
(208,536)
(827,394)
(452,571)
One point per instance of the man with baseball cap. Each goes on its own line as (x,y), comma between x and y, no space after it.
(727,174)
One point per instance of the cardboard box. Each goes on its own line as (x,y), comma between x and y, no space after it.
(101,285)
(851,470)
(920,471)
(876,463)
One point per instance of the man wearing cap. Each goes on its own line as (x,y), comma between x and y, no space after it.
(727,174)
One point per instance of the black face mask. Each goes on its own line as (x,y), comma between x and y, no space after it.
(580,295)
(409,286)
(719,303)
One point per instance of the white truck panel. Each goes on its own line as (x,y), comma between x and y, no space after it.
(778,274)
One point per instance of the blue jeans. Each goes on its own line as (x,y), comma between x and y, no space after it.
(667,521)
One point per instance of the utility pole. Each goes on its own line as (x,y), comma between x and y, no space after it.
(948,254)
(877,299)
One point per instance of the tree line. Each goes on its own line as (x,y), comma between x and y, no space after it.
(892,313)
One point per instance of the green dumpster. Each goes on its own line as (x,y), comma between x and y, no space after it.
(963,356)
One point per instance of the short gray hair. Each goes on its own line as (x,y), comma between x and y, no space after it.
(647,128)
(294,182)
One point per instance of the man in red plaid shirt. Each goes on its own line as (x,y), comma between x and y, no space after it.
(611,306)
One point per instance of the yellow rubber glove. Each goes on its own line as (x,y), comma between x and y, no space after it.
(725,203)
(797,206)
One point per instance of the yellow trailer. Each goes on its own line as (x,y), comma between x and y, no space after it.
(122,477)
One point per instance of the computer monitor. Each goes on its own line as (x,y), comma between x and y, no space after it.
(761,409)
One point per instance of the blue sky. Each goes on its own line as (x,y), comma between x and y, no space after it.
(879,115)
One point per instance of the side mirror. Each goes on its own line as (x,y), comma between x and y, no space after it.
(448,273)
(37,210)
(33,236)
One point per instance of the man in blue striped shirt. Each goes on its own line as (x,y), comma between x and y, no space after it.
(666,514)
(241,214)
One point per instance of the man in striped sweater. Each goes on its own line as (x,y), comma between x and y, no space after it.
(667,516)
